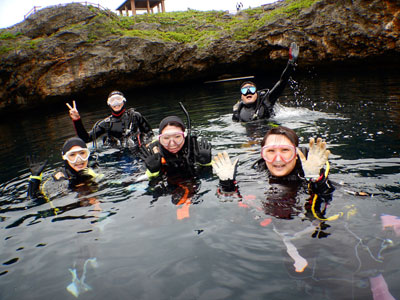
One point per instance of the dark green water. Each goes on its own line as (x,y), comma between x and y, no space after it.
(143,251)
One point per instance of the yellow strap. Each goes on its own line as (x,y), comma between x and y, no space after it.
(36,177)
(152,175)
(55,209)
(331,218)
(328,166)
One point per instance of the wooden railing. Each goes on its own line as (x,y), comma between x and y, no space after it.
(32,11)
(36,8)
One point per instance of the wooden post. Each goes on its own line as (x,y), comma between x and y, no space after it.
(133,7)
(162,6)
(158,7)
(148,6)
(126,10)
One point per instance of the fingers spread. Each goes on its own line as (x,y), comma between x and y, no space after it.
(312,142)
(301,155)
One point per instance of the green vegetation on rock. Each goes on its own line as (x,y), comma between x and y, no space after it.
(191,26)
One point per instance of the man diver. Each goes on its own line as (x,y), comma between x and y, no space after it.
(124,128)
(256,105)
(74,173)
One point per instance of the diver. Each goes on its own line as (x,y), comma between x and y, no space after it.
(175,162)
(124,128)
(287,168)
(290,171)
(259,104)
(74,174)
(176,153)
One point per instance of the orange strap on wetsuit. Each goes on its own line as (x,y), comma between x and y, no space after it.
(183,212)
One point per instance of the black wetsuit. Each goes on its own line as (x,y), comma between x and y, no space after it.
(282,197)
(129,130)
(262,108)
(60,182)
(180,164)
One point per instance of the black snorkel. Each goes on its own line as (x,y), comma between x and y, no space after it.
(189,127)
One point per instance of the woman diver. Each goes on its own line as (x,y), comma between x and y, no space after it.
(175,153)
(287,167)
(175,161)
(73,174)
(125,128)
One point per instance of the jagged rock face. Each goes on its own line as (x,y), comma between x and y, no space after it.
(330,34)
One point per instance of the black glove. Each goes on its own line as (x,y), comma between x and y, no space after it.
(152,160)
(35,166)
(202,151)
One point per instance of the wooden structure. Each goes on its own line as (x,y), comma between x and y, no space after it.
(134,5)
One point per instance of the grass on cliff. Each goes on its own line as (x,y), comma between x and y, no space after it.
(197,27)
(191,26)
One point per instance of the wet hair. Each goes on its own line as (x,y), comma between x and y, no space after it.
(173,121)
(282,130)
(248,82)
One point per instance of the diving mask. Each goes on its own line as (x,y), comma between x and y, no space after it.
(73,155)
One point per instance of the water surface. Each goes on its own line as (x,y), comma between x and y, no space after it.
(132,242)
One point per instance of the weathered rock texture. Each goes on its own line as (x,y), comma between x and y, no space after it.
(61,59)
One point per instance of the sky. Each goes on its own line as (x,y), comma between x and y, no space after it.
(13,11)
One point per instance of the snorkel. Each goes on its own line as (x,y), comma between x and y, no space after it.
(189,126)
(189,130)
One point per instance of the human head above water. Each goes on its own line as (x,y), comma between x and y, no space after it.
(116,101)
(290,134)
(278,149)
(172,133)
(248,91)
(75,153)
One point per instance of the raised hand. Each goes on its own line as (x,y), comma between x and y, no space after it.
(316,158)
(73,112)
(202,151)
(152,160)
(35,166)
(293,52)
(223,166)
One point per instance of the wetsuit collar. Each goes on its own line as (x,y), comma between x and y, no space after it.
(118,114)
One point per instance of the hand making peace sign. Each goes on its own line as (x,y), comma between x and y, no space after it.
(73,112)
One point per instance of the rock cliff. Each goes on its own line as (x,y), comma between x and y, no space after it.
(70,49)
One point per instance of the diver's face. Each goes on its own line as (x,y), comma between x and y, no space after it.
(79,161)
(249,97)
(172,138)
(282,164)
(117,108)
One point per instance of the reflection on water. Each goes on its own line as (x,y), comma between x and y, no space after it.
(126,240)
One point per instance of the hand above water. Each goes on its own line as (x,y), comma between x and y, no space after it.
(151,159)
(223,166)
(35,165)
(316,158)
(73,112)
